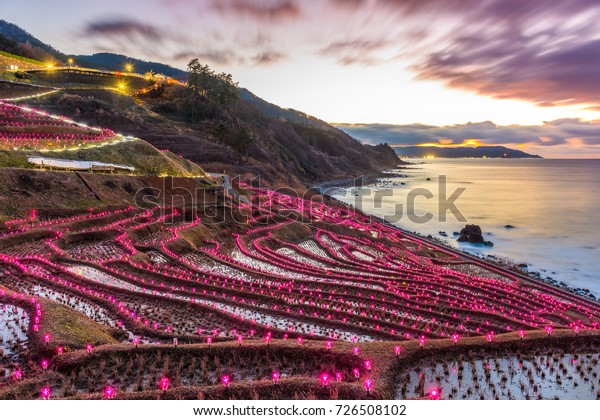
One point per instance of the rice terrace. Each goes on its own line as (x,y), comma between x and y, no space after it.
(164,234)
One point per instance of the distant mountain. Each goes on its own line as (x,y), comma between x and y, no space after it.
(462,152)
(27,45)
(116,62)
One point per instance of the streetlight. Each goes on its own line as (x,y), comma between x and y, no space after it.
(128,67)
(70,61)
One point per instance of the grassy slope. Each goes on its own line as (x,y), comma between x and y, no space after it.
(72,329)
(15,59)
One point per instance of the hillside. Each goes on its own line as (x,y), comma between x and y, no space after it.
(27,132)
(463,152)
(248,144)
(252,139)
(23,43)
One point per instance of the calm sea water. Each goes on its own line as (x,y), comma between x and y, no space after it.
(553,204)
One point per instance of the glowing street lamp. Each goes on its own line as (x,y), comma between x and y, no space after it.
(489,337)
(275,377)
(17,375)
(45,393)
(328,345)
(355,351)
(521,334)
(455,338)
(89,348)
(338,376)
(324,379)
(368,365)
(47,339)
(422,341)
(209,341)
(44,364)
(368,385)
(136,341)
(397,350)
(548,330)
(60,350)
(356,373)
(299,340)
(239,340)
(109,392)
(129,67)
(267,339)
(576,328)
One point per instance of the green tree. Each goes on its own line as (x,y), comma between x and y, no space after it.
(219,88)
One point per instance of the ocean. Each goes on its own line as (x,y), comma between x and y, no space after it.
(553,204)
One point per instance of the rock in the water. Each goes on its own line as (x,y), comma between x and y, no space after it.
(509,227)
(471,234)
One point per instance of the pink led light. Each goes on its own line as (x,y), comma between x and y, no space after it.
(521,334)
(136,341)
(434,394)
(299,340)
(209,341)
(422,341)
(338,376)
(577,328)
(225,380)
(44,364)
(324,378)
(163,383)
(368,385)
(455,338)
(328,345)
(45,393)
(275,377)
(397,350)
(17,375)
(109,392)
(89,348)
(239,340)
(548,329)
(46,338)
(356,373)
(368,365)
(355,351)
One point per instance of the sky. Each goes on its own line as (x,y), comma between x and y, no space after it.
(451,72)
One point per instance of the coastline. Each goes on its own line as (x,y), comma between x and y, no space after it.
(510,267)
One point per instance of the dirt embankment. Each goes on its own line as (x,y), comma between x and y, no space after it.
(66,192)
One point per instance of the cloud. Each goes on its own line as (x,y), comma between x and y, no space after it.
(547,53)
(273,11)
(122,27)
(211,55)
(553,133)
(267,58)
(355,51)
